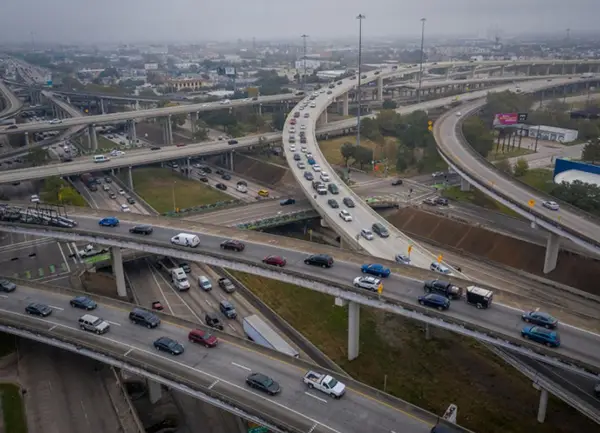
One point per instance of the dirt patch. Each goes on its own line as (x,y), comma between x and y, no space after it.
(572,269)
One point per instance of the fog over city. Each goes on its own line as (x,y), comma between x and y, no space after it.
(71,21)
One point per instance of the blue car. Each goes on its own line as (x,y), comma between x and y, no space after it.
(541,319)
(109,222)
(436,301)
(311,161)
(83,302)
(541,335)
(376,269)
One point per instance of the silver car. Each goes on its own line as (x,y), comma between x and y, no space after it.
(368,283)
(367,234)
(552,205)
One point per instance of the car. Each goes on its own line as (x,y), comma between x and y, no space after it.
(220,171)
(316,167)
(322,260)
(438,267)
(402,259)
(167,344)
(275,261)
(109,222)
(7,286)
(301,165)
(311,161)
(345,215)
(228,309)
(308,155)
(292,147)
(232,244)
(83,302)
(108,179)
(221,186)
(367,234)
(333,203)
(441,201)
(367,283)
(325,177)
(297,157)
(397,182)
(143,229)
(37,309)
(303,149)
(157,305)
(430,201)
(308,175)
(263,383)
(541,335)
(436,301)
(203,179)
(226,176)
(111,195)
(329,92)
(287,201)
(121,192)
(202,337)
(155,148)
(231,142)
(376,269)
(363,76)
(348,202)
(226,284)
(13,127)
(540,318)
(55,121)
(552,205)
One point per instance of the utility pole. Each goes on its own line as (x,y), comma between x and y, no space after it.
(422,56)
(360,17)
(304,61)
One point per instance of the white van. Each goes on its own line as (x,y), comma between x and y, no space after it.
(186,240)
(101,158)
(204,283)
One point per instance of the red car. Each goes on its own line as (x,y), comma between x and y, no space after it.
(180,144)
(275,261)
(293,121)
(156,305)
(202,337)
(232,244)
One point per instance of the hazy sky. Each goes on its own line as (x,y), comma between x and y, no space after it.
(81,21)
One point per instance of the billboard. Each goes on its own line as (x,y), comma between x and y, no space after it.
(508,119)
(252,91)
(230,71)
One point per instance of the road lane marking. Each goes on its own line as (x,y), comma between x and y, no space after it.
(129,351)
(56,308)
(181,299)
(213,384)
(208,302)
(231,326)
(313,427)
(315,397)
(114,323)
(3,296)
(52,328)
(159,288)
(241,366)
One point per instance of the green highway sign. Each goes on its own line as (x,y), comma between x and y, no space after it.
(259,429)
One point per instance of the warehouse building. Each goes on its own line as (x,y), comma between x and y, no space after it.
(551,133)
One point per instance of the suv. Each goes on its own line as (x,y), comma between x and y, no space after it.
(232,244)
(141,230)
(323,260)
(87,322)
(228,309)
(144,318)
(380,230)
(332,187)
(227,285)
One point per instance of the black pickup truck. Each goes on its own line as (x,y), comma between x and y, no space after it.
(444,288)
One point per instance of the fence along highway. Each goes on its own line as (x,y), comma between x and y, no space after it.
(400,289)
(219,372)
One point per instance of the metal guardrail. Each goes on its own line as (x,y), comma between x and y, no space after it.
(199,209)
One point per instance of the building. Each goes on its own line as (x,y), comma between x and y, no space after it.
(150,66)
(570,171)
(310,64)
(551,133)
(178,84)
(330,75)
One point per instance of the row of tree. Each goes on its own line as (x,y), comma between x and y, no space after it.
(58,191)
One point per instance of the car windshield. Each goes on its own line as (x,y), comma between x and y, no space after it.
(267,381)
(332,383)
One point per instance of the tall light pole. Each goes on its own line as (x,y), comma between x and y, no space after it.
(422,56)
(304,60)
(360,17)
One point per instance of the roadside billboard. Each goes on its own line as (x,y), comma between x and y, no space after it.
(508,119)
(252,91)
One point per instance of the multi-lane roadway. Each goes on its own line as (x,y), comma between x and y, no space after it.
(12,103)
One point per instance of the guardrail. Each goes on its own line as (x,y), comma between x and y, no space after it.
(491,334)
(177,373)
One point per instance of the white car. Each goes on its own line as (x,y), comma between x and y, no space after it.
(458,114)
(241,188)
(121,192)
(115,153)
(196,165)
(35,198)
(552,205)
(303,149)
(316,167)
(292,129)
(368,283)
(301,165)
(309,155)
(105,187)
(367,234)
(325,177)
(345,215)
(292,147)
(125,208)
(302,126)
(438,267)
(55,121)
(225,101)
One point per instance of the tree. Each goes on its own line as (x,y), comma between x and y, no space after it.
(504,166)
(38,156)
(591,152)
(478,135)
(363,155)
(57,191)
(348,150)
(521,167)
(278,120)
(585,196)
(388,104)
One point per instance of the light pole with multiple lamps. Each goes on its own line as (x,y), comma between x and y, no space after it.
(422,56)
(304,62)
(360,17)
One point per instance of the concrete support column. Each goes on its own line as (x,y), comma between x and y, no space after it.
(168,132)
(92,138)
(380,89)
(102,108)
(130,179)
(541,417)
(322,118)
(188,167)
(473,72)
(26,139)
(260,109)
(117,265)
(345,105)
(552,249)
(529,70)
(231,160)
(547,70)
(154,391)
(193,120)
(562,69)
(132,132)
(353,330)
(574,69)
(502,71)
(448,74)
(137,105)
(464,184)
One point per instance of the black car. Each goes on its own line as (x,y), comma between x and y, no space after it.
(203,179)
(230,142)
(219,171)
(323,260)
(348,202)
(287,201)
(308,175)
(169,345)
(221,186)
(436,301)
(333,203)
(232,244)
(396,182)
(83,302)
(155,148)
(263,383)
(297,157)
(141,230)
(226,177)
(7,286)
(37,309)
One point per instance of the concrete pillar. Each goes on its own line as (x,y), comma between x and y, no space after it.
(231,160)
(448,74)
(193,120)
(552,249)
(117,265)
(502,71)
(26,139)
(345,105)
(322,118)
(547,70)
(130,179)
(562,69)
(353,330)
(154,391)
(528,70)
(132,132)
(92,138)
(169,130)
(473,72)
(137,105)
(188,167)
(543,405)
(380,89)
(464,184)
(260,109)
(102,109)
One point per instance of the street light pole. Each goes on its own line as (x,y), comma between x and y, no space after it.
(360,17)
(422,56)
(304,61)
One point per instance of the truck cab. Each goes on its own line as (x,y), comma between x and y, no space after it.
(444,288)
(179,279)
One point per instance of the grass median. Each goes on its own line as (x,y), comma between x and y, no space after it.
(13,411)
(165,189)
(491,396)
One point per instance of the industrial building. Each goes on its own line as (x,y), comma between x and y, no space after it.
(551,133)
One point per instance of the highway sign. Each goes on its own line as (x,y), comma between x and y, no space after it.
(522,117)
(531,203)
(259,429)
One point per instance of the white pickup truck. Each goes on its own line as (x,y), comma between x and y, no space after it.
(91,251)
(324,383)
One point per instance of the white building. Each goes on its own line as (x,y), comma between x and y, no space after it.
(150,66)
(330,75)
(551,133)
(310,64)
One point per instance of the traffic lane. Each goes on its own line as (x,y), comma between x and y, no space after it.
(43,258)
(230,364)
(250,212)
(214,179)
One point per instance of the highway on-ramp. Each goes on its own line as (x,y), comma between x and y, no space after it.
(13,104)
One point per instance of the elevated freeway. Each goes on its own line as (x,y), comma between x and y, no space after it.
(13,104)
